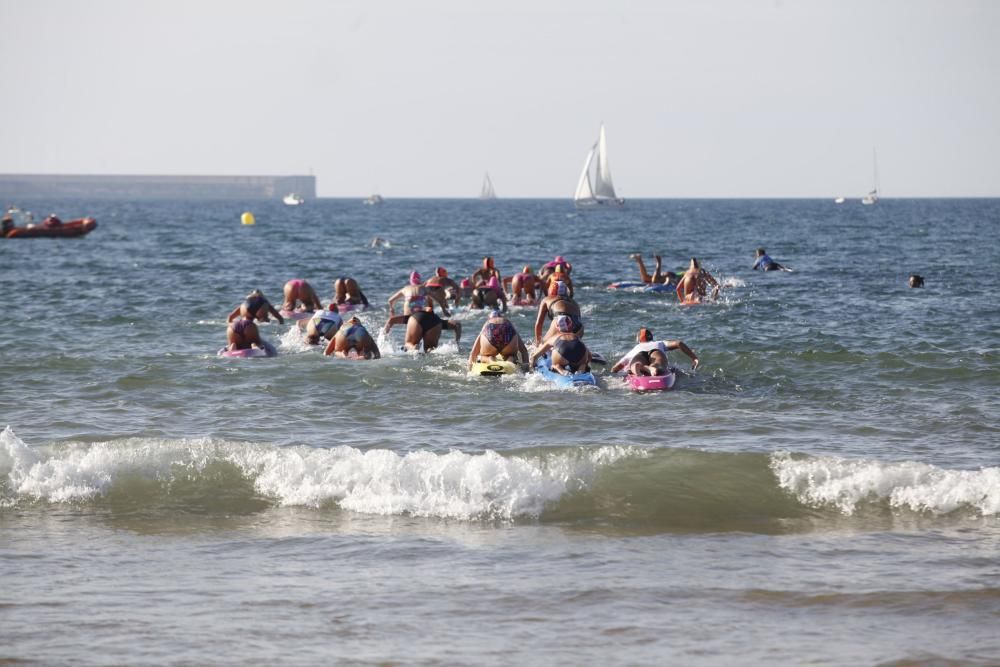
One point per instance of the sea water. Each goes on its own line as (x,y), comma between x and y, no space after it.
(824,489)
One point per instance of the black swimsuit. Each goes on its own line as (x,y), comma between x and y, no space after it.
(572,350)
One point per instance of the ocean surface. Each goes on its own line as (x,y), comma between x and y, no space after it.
(824,490)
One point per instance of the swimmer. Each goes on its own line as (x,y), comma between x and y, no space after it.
(659,277)
(498,337)
(550,267)
(524,287)
(558,274)
(323,324)
(423,327)
(443,287)
(416,297)
(649,357)
(353,337)
(257,306)
(483,274)
(299,295)
(242,334)
(569,353)
(557,303)
(693,285)
(764,262)
(346,290)
(489,295)
(916,280)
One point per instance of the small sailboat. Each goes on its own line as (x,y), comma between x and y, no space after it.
(487,191)
(595,187)
(838,200)
(374,200)
(872,197)
(293,199)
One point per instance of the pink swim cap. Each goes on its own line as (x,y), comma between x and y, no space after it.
(465,283)
(415,278)
(560,259)
(493,283)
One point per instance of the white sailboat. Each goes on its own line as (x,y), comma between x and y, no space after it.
(872,197)
(595,187)
(487,191)
(292,199)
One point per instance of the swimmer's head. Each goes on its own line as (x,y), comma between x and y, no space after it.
(644,335)
(354,319)
(415,278)
(441,272)
(564,323)
(695,264)
(487,262)
(916,280)
(526,269)
(761,251)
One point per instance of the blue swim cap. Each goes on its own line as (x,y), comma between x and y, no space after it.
(496,312)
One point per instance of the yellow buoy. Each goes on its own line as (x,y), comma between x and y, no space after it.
(247,218)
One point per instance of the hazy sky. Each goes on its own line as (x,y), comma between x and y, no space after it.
(419,98)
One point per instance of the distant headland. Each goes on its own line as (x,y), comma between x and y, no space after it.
(93,186)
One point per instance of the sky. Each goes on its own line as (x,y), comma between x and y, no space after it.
(700,98)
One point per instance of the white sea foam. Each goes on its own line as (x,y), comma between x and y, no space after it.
(845,483)
(450,485)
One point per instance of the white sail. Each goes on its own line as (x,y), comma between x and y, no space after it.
(487,192)
(595,186)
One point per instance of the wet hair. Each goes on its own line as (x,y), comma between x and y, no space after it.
(695,263)
(916,280)
(761,251)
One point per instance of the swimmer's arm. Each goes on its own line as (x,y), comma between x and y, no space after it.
(271,309)
(373,347)
(679,345)
(364,299)
(232,315)
(393,299)
(474,354)
(330,347)
(542,310)
(441,302)
(542,349)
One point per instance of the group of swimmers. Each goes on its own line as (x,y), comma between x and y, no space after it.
(550,289)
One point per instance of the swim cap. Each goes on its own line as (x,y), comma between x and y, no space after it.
(644,335)
(465,283)
(496,312)
(560,259)
(526,269)
(415,278)
(564,323)
(561,289)
(493,283)
(355,319)
(558,268)
(441,272)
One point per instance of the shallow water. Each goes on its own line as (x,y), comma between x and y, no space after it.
(831,470)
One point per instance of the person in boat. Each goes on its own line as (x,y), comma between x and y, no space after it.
(524,287)
(300,296)
(693,285)
(423,327)
(353,337)
(482,275)
(256,306)
(323,324)
(764,262)
(569,353)
(557,303)
(916,280)
(489,295)
(346,290)
(649,357)
(659,277)
(7,224)
(498,338)
(52,221)
(416,297)
(443,287)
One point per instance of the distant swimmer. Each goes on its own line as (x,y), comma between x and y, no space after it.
(300,296)
(353,337)
(242,334)
(916,280)
(482,275)
(423,327)
(257,306)
(659,277)
(764,262)
(498,337)
(444,287)
(557,303)
(416,297)
(569,353)
(378,242)
(649,357)
(323,324)
(693,285)
(489,295)
(524,287)
(346,290)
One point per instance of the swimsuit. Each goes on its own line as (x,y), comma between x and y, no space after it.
(572,350)
(297,283)
(254,304)
(415,302)
(764,262)
(355,335)
(326,321)
(577,322)
(239,328)
(428,320)
(499,334)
